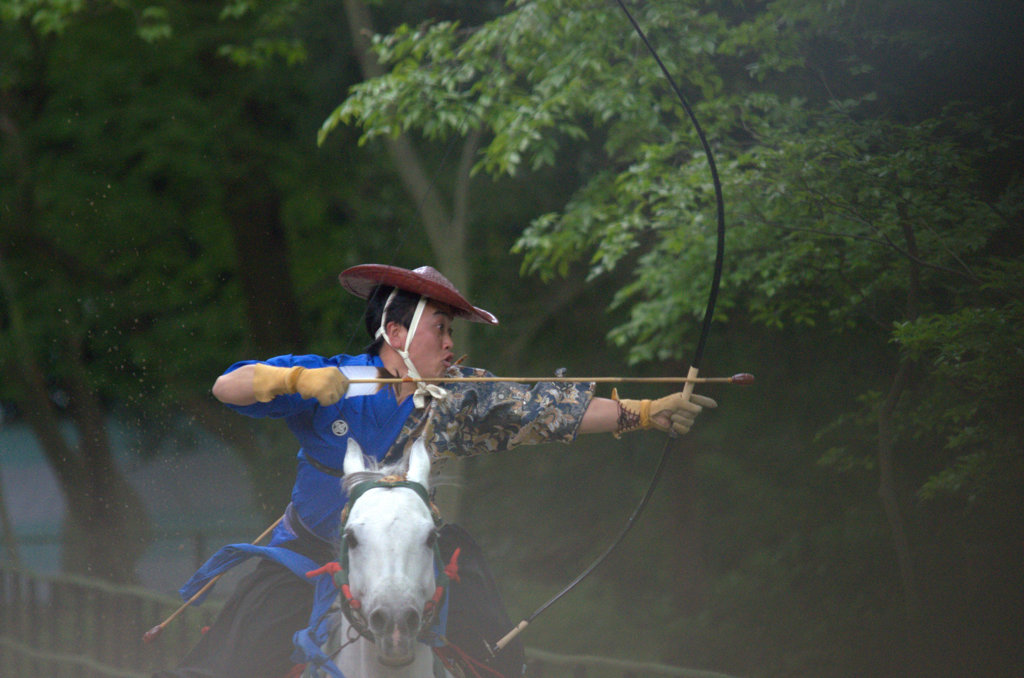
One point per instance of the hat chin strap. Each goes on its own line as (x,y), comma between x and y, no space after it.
(419,397)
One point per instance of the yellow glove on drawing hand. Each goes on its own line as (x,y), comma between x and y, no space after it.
(326,384)
(672,414)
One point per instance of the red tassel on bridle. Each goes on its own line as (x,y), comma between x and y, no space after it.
(452,568)
(451,571)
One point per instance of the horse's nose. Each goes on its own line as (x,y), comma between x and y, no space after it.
(412,620)
(395,631)
(385,622)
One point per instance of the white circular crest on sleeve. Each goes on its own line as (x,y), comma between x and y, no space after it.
(339,427)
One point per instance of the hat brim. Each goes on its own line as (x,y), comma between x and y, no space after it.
(363,279)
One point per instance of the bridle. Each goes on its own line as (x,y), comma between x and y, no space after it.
(351,606)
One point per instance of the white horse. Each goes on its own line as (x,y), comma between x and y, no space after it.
(388,553)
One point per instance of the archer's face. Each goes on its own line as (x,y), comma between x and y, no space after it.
(432,344)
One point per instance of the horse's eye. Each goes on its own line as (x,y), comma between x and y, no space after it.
(350,539)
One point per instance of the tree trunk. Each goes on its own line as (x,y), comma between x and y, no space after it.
(446,231)
(271,472)
(13,555)
(887,485)
(261,250)
(106,527)
(889,495)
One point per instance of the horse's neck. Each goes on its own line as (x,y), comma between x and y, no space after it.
(359,660)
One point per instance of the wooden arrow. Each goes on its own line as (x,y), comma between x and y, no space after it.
(741,379)
(155,632)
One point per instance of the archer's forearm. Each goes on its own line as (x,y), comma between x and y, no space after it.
(236,387)
(602,416)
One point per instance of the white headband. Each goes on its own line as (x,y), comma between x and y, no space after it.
(422,389)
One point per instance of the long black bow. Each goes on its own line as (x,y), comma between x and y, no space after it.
(709,311)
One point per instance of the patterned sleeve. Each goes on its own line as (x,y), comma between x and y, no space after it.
(479,418)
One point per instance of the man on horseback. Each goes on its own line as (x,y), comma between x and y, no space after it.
(409,316)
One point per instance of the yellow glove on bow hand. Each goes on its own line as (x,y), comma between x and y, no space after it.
(672,414)
(326,384)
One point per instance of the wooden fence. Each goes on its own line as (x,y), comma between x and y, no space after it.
(64,625)
(74,627)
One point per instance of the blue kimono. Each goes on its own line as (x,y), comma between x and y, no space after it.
(323,432)
(475,418)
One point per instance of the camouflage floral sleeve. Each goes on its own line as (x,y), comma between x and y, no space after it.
(478,418)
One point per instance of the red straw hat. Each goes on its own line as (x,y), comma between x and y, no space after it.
(427,281)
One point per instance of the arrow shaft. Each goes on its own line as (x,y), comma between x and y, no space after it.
(735,379)
(155,632)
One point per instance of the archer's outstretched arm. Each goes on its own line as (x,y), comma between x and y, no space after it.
(601,416)
(673,413)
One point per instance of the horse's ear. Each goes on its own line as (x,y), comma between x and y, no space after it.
(354,462)
(419,463)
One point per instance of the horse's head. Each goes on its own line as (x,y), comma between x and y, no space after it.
(388,550)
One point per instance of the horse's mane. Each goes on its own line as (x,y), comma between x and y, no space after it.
(375,470)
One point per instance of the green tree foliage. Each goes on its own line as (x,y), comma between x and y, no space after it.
(859,216)
(898,223)
(164,212)
(56,284)
(159,213)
